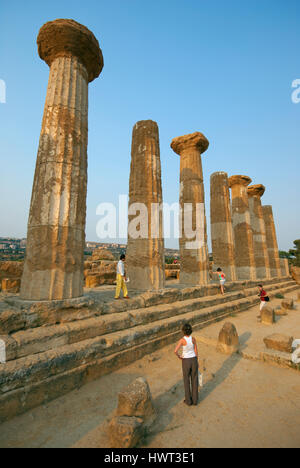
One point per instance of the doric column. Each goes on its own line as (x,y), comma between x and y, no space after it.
(285,269)
(221,225)
(255,192)
(194,259)
(56,228)
(243,236)
(272,243)
(145,260)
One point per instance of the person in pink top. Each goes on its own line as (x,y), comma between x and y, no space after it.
(222,279)
(190,365)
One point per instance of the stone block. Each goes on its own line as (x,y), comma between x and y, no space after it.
(268,315)
(11,285)
(125,432)
(10,320)
(281,312)
(287,304)
(136,400)
(279,342)
(228,342)
(92,281)
(102,254)
(11,269)
(10,346)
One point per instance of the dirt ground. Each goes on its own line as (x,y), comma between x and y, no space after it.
(244,403)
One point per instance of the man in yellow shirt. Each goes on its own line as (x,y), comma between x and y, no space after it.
(121,278)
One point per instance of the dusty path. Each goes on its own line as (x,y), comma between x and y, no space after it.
(243,404)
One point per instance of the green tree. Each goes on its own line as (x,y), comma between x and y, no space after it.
(283,254)
(295,253)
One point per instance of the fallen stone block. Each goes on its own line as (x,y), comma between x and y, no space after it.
(268,315)
(136,400)
(125,432)
(102,254)
(287,304)
(228,342)
(92,281)
(87,265)
(11,269)
(11,285)
(279,342)
(281,312)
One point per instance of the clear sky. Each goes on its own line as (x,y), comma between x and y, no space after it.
(224,68)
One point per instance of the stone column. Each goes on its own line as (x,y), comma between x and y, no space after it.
(243,236)
(145,258)
(272,243)
(255,192)
(285,269)
(56,228)
(221,225)
(194,259)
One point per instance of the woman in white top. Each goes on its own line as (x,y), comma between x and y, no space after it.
(189,364)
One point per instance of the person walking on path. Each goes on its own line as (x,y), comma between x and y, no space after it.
(222,278)
(121,278)
(190,365)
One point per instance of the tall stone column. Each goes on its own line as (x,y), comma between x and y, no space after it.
(221,225)
(285,268)
(272,243)
(145,257)
(255,192)
(243,236)
(56,228)
(194,259)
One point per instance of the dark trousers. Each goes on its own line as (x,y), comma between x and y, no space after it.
(191,380)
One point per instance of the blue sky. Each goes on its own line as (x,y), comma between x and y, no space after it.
(224,68)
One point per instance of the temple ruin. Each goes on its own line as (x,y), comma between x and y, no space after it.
(58,336)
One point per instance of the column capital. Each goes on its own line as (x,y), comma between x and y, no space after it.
(239,180)
(256,190)
(192,141)
(67,38)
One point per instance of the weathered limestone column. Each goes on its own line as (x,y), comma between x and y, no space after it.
(285,269)
(56,228)
(255,192)
(272,243)
(243,236)
(221,225)
(194,259)
(145,258)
